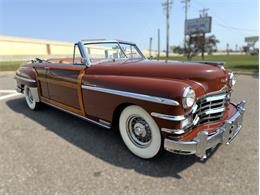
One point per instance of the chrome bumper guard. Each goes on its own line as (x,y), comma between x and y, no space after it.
(198,146)
(19,89)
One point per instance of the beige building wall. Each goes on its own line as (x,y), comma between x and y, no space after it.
(15,48)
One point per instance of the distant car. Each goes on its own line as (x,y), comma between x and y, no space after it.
(183,107)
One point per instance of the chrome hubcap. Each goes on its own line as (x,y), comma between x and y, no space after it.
(139,131)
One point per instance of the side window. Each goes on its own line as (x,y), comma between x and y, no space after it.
(77,60)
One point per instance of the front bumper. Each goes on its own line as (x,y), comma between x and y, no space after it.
(198,146)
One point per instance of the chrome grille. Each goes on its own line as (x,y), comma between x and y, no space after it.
(211,107)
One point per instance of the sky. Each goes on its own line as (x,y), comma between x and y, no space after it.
(130,20)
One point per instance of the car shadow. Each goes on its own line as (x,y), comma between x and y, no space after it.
(102,143)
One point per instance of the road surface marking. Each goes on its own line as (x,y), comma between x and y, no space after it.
(7,91)
(11,93)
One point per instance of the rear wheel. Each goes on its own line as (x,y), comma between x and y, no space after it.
(30,100)
(139,132)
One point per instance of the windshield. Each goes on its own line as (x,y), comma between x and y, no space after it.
(98,52)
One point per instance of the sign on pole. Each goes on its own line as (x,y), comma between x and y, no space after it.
(251,39)
(198,25)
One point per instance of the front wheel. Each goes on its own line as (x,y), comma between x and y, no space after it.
(30,100)
(139,132)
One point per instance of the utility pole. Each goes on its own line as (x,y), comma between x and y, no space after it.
(204,12)
(186,6)
(167,7)
(158,31)
(227,48)
(150,47)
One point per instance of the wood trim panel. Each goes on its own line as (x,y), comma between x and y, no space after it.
(63,106)
(66,67)
(76,85)
(62,83)
(80,95)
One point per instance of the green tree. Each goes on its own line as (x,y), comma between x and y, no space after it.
(177,49)
(199,43)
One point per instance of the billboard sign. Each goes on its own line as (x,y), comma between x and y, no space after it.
(251,39)
(198,25)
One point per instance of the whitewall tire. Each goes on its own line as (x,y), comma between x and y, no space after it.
(139,132)
(30,99)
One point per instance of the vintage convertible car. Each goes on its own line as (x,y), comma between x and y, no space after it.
(183,107)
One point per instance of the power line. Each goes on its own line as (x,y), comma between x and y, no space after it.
(221,23)
(234,28)
(167,7)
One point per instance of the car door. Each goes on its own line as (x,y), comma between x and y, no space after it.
(41,71)
(64,86)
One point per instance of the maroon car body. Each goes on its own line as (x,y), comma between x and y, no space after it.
(100,92)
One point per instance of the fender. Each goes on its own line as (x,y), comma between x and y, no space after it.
(26,75)
(101,104)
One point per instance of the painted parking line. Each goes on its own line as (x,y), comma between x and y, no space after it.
(8,94)
(7,91)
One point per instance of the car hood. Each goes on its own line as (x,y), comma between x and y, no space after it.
(206,76)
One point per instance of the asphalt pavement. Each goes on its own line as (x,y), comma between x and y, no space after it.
(52,152)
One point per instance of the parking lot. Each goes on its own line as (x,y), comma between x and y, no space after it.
(49,151)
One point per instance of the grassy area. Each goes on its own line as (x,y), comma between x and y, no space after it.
(235,62)
(246,63)
(10,65)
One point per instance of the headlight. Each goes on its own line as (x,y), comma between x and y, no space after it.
(232,79)
(189,97)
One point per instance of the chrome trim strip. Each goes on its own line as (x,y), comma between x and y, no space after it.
(175,118)
(222,90)
(217,97)
(218,104)
(218,63)
(211,117)
(181,131)
(138,96)
(173,131)
(194,108)
(168,117)
(104,122)
(101,41)
(196,120)
(212,111)
(79,116)
(25,79)
(92,41)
